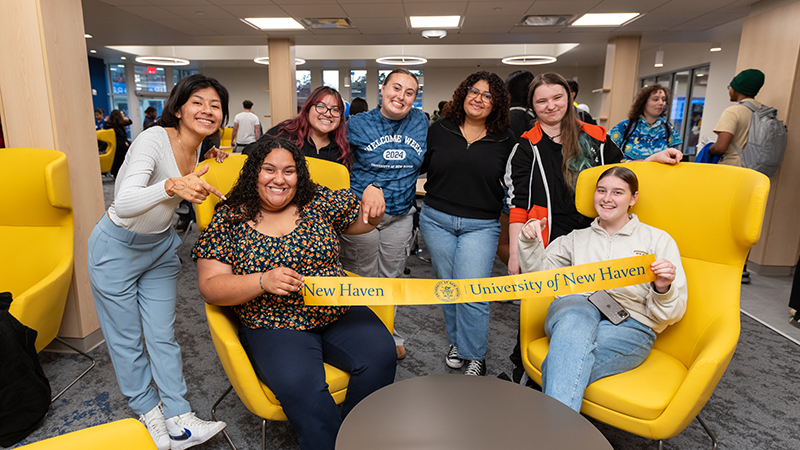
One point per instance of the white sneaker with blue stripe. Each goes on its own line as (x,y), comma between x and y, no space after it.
(187,430)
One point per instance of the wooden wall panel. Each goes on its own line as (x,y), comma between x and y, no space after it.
(282,81)
(770,42)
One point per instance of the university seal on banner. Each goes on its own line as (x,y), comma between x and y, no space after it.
(446,291)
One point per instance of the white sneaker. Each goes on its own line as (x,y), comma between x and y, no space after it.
(452,360)
(155,424)
(187,430)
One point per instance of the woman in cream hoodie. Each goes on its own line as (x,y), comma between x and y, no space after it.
(584,346)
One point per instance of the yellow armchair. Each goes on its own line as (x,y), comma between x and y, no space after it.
(36,235)
(714,213)
(225,139)
(223,323)
(125,434)
(107,158)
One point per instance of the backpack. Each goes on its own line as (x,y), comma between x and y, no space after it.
(766,140)
(24,388)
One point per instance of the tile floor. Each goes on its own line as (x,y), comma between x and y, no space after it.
(766,299)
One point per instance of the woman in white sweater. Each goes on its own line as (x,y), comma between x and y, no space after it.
(134,265)
(584,346)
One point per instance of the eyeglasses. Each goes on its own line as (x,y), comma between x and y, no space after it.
(473,91)
(322,108)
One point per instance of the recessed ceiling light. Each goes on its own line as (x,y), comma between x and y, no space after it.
(715,49)
(545,21)
(434,21)
(265,60)
(123,58)
(162,61)
(92,51)
(604,19)
(87,36)
(274,23)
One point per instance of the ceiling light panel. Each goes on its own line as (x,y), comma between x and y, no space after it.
(435,21)
(604,19)
(274,23)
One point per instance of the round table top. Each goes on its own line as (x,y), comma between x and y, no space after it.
(462,412)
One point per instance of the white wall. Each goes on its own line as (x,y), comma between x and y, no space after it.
(245,84)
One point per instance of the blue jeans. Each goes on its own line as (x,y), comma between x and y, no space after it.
(290,363)
(462,248)
(585,347)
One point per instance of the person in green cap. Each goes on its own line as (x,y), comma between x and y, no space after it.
(734,124)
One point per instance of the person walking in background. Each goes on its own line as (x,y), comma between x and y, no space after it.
(359,105)
(467,153)
(319,128)
(388,145)
(134,266)
(117,121)
(733,126)
(521,116)
(581,110)
(646,131)
(246,128)
(150,115)
(99,119)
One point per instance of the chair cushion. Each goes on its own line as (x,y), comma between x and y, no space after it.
(643,392)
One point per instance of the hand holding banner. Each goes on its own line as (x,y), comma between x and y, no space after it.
(339,291)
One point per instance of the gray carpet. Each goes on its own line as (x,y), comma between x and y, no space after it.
(753,407)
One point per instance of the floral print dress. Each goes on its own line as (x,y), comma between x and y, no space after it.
(312,249)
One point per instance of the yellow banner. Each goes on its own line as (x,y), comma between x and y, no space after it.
(413,291)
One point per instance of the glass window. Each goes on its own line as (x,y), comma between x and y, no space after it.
(303,86)
(330,78)
(694,120)
(680,91)
(119,88)
(176,76)
(358,84)
(420,78)
(150,79)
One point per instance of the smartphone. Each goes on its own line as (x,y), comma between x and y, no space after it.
(609,307)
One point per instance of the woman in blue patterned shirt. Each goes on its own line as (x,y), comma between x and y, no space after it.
(651,133)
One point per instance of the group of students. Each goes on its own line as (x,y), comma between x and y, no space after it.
(276,226)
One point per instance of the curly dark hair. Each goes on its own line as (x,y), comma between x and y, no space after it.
(637,108)
(244,194)
(498,120)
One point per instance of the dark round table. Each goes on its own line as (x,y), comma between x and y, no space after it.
(459,412)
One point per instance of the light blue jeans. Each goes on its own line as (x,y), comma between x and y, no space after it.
(134,283)
(585,347)
(462,248)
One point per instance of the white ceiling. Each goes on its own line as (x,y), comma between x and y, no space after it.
(157,25)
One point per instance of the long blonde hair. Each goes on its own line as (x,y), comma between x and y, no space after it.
(575,148)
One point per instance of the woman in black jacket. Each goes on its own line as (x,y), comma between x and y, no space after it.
(466,159)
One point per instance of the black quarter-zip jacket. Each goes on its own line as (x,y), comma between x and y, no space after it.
(465,180)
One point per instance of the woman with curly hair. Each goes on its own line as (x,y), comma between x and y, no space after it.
(319,129)
(466,159)
(275,227)
(646,130)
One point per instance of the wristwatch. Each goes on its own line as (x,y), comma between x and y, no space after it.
(376,185)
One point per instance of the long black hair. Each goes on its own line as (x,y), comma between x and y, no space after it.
(244,198)
(180,95)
